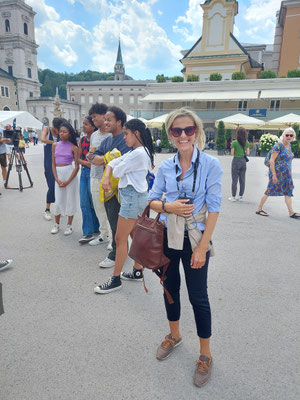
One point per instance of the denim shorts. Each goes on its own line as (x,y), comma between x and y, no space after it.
(132,202)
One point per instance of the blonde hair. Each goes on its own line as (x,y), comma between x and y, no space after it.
(289,129)
(187,112)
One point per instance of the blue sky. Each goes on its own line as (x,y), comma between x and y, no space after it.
(76,35)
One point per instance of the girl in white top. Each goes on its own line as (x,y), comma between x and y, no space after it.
(132,168)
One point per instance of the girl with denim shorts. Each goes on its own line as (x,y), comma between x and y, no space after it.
(132,169)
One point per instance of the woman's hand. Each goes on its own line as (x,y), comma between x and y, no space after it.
(181,208)
(198,258)
(274,179)
(106,186)
(62,184)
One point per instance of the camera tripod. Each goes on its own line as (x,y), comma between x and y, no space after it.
(17,158)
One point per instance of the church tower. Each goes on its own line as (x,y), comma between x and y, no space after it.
(119,66)
(218,50)
(18,48)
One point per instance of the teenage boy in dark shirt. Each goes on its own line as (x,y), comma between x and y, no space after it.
(115,118)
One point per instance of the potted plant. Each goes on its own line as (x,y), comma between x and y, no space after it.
(266,142)
(164,144)
(220,141)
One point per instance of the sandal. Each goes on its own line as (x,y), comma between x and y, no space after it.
(295,216)
(263,213)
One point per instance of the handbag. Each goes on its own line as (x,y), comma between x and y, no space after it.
(246,158)
(147,247)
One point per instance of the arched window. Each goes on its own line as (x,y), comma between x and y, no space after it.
(7,26)
(25,29)
(6,108)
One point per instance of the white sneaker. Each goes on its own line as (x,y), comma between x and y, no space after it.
(109,246)
(96,241)
(47,216)
(55,229)
(240,198)
(107,263)
(233,198)
(68,230)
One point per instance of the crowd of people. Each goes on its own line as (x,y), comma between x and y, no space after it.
(115,157)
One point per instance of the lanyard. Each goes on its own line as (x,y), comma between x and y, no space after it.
(196,164)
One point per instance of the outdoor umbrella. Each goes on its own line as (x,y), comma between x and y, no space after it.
(23,119)
(234,121)
(157,122)
(283,122)
(129,117)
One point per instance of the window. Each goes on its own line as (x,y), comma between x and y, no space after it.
(83,111)
(34,110)
(30,94)
(140,99)
(120,99)
(275,105)
(6,108)
(243,105)
(91,99)
(100,99)
(25,29)
(29,73)
(82,99)
(45,110)
(131,99)
(2,91)
(6,92)
(7,26)
(111,99)
(210,105)
(10,70)
(72,98)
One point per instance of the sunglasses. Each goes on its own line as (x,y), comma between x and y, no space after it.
(287,135)
(189,131)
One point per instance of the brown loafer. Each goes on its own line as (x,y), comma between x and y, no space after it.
(167,346)
(203,370)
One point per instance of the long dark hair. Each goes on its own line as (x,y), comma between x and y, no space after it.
(90,119)
(241,136)
(146,139)
(72,132)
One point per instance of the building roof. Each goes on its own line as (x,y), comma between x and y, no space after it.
(119,55)
(4,74)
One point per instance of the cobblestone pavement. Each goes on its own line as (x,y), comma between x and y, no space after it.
(58,340)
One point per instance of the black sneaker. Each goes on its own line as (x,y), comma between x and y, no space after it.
(86,239)
(134,275)
(113,283)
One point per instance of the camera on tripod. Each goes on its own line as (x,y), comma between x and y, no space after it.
(13,135)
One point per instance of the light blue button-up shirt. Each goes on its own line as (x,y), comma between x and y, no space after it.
(208,187)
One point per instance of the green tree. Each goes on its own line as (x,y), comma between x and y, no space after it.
(193,78)
(220,141)
(228,134)
(160,78)
(164,138)
(296,129)
(177,79)
(267,74)
(238,76)
(215,77)
(293,73)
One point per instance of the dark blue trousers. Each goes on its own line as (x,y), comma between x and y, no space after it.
(50,198)
(196,282)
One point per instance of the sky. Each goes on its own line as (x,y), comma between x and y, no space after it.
(77,35)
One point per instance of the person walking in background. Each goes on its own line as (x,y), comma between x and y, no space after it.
(3,159)
(239,151)
(50,136)
(280,174)
(26,137)
(191,183)
(33,135)
(115,119)
(90,223)
(132,169)
(21,144)
(97,113)
(66,184)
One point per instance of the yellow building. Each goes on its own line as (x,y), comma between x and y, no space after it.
(218,50)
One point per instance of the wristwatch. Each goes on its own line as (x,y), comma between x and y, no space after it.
(163,202)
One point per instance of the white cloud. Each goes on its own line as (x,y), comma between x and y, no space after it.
(66,55)
(43,11)
(42,65)
(190,24)
(260,20)
(159,12)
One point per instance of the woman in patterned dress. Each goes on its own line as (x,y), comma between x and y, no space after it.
(280,174)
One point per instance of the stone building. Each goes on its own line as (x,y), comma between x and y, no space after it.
(18,49)
(8,92)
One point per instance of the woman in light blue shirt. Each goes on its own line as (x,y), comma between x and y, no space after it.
(187,189)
